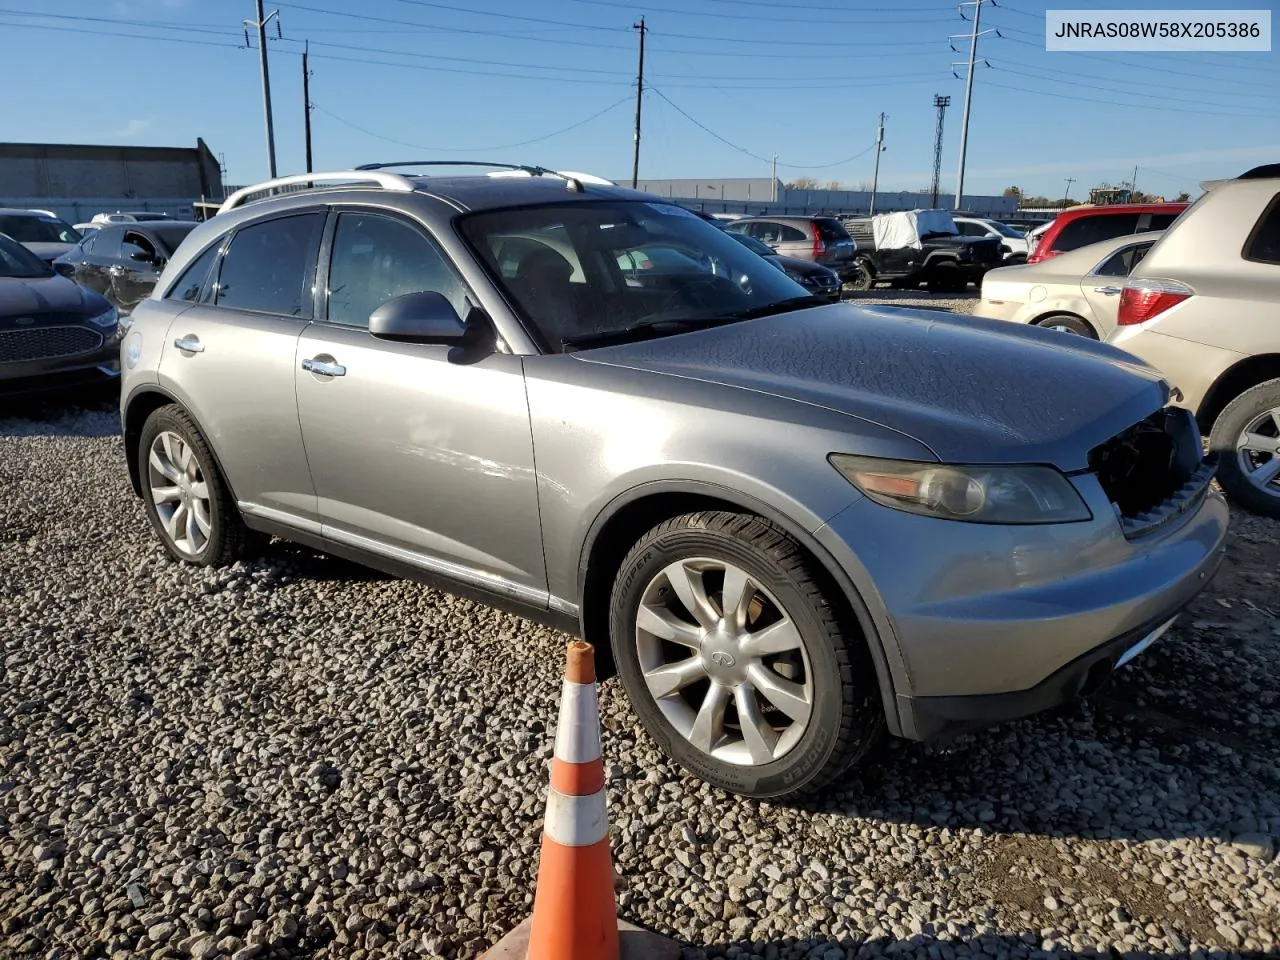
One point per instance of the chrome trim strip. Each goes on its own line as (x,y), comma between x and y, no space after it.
(279,516)
(561,605)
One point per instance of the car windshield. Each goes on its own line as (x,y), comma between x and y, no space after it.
(754,245)
(36,228)
(1005,229)
(18,262)
(601,271)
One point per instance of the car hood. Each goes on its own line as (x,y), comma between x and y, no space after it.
(803,267)
(49,251)
(37,296)
(972,390)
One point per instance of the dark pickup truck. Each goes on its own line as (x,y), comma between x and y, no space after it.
(945,262)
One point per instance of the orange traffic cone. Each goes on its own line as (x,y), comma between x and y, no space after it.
(575,916)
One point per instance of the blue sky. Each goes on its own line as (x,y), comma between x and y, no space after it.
(448,79)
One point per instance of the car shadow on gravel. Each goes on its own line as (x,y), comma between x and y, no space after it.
(89,411)
(296,560)
(926,945)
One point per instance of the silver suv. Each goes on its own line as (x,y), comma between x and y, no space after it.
(792,525)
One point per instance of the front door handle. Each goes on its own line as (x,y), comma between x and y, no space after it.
(190,344)
(1109,291)
(326,368)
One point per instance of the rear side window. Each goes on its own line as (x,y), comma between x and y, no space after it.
(269,266)
(832,231)
(107,243)
(1122,262)
(192,280)
(1263,245)
(1086,230)
(1161,221)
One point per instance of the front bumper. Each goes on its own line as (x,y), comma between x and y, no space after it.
(984,623)
(30,376)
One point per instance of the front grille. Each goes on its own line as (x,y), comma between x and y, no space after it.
(46,343)
(1154,470)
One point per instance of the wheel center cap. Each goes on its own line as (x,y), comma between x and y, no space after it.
(721,657)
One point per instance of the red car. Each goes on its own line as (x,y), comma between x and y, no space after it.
(1085,224)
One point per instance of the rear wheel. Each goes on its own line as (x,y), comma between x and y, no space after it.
(736,658)
(1246,437)
(945,278)
(1068,323)
(185,497)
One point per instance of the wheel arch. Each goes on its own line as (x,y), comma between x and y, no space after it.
(1235,380)
(629,515)
(1041,317)
(141,405)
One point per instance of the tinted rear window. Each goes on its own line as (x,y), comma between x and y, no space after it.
(1091,229)
(831,230)
(172,234)
(267,267)
(1264,242)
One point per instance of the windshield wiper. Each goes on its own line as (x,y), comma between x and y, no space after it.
(685,324)
(639,331)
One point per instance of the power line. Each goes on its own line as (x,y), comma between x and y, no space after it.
(755,156)
(1114,103)
(861,21)
(502,146)
(124,36)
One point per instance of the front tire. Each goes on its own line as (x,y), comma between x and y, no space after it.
(185,496)
(1246,437)
(863,278)
(737,658)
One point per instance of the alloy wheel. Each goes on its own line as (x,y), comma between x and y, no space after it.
(180,492)
(724,661)
(1258,450)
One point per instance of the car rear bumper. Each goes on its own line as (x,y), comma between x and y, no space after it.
(982,623)
(997,309)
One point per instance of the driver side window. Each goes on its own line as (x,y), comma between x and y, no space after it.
(377,258)
(136,243)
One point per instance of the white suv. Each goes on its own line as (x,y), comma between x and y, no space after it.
(1204,307)
(1013,243)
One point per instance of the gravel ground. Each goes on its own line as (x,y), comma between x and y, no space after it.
(301,758)
(952,302)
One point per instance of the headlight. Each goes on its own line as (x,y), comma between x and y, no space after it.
(977,494)
(108,318)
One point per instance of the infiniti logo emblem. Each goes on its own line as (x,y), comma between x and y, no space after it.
(723,659)
(25,321)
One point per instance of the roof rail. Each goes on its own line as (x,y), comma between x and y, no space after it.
(387,181)
(501,170)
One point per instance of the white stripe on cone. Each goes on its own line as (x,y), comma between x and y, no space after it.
(578,732)
(576,821)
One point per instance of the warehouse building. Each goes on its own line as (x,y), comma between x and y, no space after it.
(75,181)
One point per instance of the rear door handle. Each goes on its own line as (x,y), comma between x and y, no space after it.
(189,344)
(1109,291)
(326,368)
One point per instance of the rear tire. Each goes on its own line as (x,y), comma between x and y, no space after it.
(1068,323)
(185,496)
(945,278)
(775,698)
(1246,437)
(863,278)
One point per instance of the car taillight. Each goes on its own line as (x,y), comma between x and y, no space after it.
(819,247)
(1142,300)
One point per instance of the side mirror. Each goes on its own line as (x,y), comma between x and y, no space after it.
(424,317)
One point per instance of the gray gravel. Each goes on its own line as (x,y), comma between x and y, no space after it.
(951,302)
(300,758)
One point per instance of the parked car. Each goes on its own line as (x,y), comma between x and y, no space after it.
(122,262)
(910,247)
(1080,226)
(1077,292)
(44,234)
(818,280)
(821,240)
(1204,307)
(132,216)
(791,524)
(1013,243)
(52,332)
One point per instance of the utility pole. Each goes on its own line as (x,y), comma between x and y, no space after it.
(968,86)
(306,101)
(941,103)
(774,178)
(875,180)
(1070,181)
(635,161)
(261,25)
(1133,184)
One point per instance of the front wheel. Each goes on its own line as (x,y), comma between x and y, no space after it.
(1068,323)
(862,277)
(737,658)
(1246,437)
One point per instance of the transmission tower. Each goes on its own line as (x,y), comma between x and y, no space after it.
(941,103)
